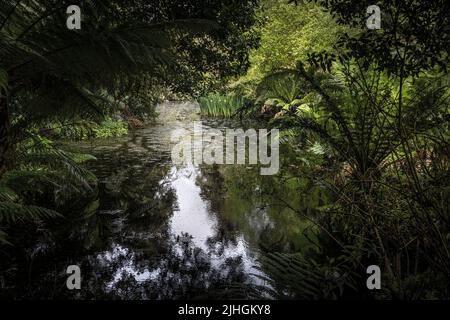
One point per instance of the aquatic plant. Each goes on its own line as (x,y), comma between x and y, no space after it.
(217,105)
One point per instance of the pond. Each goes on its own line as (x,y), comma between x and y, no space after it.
(156,230)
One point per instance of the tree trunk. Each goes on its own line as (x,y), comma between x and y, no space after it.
(5,135)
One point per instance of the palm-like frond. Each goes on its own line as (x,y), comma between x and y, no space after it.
(283,85)
(43,168)
(3,80)
(11,212)
(41,153)
(293,276)
(3,237)
(40,164)
(53,72)
(58,101)
(7,194)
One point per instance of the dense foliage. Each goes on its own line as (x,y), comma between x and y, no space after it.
(379,102)
(363,114)
(57,82)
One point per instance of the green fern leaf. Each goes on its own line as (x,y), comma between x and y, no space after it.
(11,212)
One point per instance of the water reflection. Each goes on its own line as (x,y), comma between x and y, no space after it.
(159,231)
(192,215)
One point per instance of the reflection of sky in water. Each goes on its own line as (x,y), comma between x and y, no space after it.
(192,217)
(158,230)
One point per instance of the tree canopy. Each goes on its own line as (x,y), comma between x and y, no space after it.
(48,70)
(414,34)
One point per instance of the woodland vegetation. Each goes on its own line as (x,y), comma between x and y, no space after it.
(367,112)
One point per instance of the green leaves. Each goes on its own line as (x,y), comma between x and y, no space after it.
(293,276)
(3,80)
(283,86)
(41,169)
(288,34)
(413,35)
(7,194)
(45,169)
(45,154)
(110,128)
(11,212)
(3,240)
(217,105)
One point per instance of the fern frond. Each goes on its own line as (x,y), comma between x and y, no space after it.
(7,194)
(283,85)
(41,153)
(3,236)
(3,80)
(11,212)
(293,276)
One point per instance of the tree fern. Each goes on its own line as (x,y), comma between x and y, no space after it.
(3,237)
(41,167)
(7,194)
(39,153)
(11,212)
(52,72)
(283,86)
(293,276)
(3,80)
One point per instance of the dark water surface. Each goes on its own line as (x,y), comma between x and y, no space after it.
(156,230)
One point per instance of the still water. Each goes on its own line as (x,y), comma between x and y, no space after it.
(155,230)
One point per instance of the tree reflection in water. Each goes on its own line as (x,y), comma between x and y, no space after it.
(155,231)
